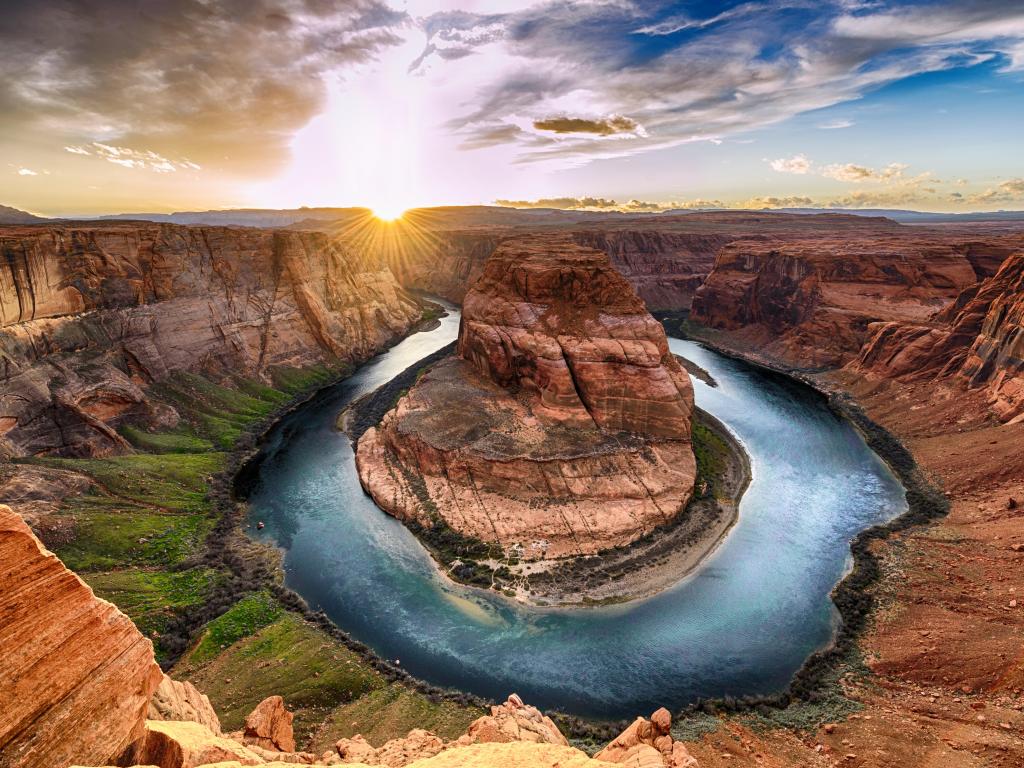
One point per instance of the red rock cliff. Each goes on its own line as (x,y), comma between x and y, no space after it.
(92,314)
(577,438)
(75,674)
(978,340)
(810,302)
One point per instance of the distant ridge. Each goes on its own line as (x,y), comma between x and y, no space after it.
(10,215)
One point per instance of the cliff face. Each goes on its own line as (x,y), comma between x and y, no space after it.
(578,437)
(664,267)
(810,302)
(92,315)
(75,674)
(978,340)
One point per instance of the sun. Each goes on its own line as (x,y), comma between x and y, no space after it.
(387,212)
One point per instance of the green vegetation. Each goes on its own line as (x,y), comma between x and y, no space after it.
(712,454)
(243,619)
(318,676)
(152,598)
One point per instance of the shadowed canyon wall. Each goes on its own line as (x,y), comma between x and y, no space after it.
(93,314)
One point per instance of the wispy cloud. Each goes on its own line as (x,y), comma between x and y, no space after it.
(27,172)
(834,125)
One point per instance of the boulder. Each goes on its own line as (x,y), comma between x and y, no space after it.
(270,726)
(648,743)
(396,753)
(513,721)
(76,676)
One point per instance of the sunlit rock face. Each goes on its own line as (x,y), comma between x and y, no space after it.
(75,674)
(561,428)
(978,340)
(92,315)
(810,302)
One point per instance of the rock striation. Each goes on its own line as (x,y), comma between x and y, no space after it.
(76,676)
(810,302)
(93,314)
(977,341)
(579,435)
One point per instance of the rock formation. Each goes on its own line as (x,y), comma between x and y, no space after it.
(978,340)
(648,743)
(91,315)
(182,701)
(75,674)
(579,434)
(270,726)
(809,302)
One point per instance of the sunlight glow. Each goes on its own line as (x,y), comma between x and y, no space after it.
(387,212)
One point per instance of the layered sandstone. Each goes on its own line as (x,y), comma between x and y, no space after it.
(578,436)
(978,341)
(75,674)
(810,302)
(91,315)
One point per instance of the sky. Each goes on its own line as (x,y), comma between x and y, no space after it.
(152,105)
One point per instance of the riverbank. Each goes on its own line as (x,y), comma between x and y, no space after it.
(647,566)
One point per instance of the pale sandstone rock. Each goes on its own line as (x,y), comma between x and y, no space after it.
(180,700)
(395,753)
(513,721)
(579,438)
(75,674)
(648,743)
(183,744)
(270,725)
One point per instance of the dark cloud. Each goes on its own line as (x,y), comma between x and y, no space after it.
(604,127)
(222,82)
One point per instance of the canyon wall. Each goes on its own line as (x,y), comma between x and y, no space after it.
(578,438)
(75,674)
(978,341)
(810,302)
(91,315)
(664,267)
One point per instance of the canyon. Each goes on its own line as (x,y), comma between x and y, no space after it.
(920,326)
(578,439)
(94,317)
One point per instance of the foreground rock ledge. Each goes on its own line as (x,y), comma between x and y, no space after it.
(562,426)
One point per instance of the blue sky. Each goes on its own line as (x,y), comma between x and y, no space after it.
(219,103)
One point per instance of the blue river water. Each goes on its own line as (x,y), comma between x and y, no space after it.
(742,623)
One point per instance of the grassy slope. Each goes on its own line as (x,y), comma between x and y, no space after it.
(137,537)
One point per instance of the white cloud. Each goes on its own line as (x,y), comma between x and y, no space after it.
(854,172)
(26,172)
(798,164)
(135,158)
(833,125)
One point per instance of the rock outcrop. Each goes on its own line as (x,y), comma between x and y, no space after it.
(76,676)
(579,435)
(181,701)
(810,302)
(648,743)
(92,315)
(977,341)
(270,726)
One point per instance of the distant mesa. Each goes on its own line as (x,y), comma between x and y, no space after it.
(562,425)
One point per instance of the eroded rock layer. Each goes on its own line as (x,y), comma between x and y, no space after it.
(810,302)
(76,676)
(561,428)
(91,315)
(978,340)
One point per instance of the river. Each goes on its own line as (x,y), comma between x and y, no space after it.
(742,623)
